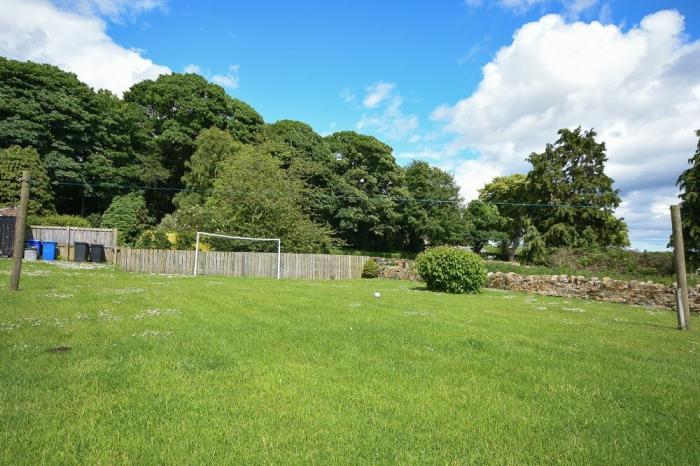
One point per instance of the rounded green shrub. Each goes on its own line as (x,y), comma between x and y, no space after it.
(370,269)
(451,270)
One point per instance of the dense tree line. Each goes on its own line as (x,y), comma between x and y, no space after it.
(179,154)
(689,182)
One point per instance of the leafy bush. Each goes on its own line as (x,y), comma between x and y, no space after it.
(370,269)
(451,270)
(57,220)
(153,239)
(534,250)
(129,215)
(95,220)
(185,240)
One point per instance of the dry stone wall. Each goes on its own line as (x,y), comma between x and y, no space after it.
(600,289)
(396,269)
(606,289)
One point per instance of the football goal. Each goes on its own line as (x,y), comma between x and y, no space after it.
(240,238)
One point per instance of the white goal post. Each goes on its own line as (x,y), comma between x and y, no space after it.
(217,235)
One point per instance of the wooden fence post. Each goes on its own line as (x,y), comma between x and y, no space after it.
(115,248)
(679,259)
(20,232)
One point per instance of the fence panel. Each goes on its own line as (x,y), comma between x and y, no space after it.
(242,264)
(66,237)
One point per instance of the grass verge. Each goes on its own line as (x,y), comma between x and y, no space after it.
(101,366)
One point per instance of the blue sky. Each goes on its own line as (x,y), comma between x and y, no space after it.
(296,57)
(472,86)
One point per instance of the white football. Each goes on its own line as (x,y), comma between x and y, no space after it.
(377,294)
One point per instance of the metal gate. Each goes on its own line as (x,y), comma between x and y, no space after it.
(7,235)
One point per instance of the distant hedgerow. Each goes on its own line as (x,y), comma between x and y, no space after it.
(451,270)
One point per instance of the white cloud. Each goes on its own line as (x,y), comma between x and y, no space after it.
(386,116)
(115,10)
(635,87)
(570,8)
(347,96)
(377,93)
(229,80)
(649,212)
(192,68)
(422,154)
(472,175)
(39,31)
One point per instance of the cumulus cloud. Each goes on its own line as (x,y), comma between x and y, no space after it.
(385,115)
(41,32)
(229,79)
(640,89)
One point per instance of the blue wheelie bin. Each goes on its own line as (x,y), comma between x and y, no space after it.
(34,244)
(49,250)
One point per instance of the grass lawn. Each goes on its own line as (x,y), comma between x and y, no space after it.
(229,370)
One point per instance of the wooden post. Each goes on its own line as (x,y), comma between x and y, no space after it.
(20,232)
(679,260)
(114,246)
(67,243)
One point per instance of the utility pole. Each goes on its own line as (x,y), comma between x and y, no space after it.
(679,260)
(20,231)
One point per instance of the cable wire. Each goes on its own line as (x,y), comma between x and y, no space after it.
(337,196)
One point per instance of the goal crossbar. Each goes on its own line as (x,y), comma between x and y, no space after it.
(245,238)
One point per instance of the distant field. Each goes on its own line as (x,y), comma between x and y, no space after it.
(183,370)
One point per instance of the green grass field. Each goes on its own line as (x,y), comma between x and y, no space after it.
(183,370)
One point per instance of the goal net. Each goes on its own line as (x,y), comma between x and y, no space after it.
(201,234)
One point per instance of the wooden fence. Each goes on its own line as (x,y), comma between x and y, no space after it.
(242,264)
(66,237)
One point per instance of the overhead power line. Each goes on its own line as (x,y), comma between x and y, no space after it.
(337,196)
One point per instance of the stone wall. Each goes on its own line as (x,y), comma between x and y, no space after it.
(605,289)
(396,269)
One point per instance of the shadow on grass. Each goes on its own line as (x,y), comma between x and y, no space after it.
(421,288)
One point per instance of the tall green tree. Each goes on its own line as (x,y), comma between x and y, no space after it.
(125,153)
(13,161)
(484,225)
(82,137)
(372,190)
(305,154)
(570,174)
(180,106)
(433,215)
(508,193)
(253,196)
(213,146)
(689,182)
